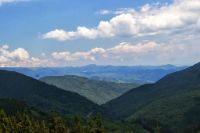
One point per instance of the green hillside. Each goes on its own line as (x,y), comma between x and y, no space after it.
(178,113)
(172,102)
(99,92)
(45,97)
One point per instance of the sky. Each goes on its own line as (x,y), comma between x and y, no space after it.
(48,33)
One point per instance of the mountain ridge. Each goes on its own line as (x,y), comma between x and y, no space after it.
(172,83)
(99,92)
(43,96)
(123,74)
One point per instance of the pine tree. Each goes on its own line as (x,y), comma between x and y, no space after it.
(56,124)
(43,127)
(77,127)
(90,125)
(99,125)
(27,124)
(3,122)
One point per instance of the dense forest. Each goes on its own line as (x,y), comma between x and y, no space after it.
(17,117)
(24,123)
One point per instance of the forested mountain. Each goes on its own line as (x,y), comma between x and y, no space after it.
(172,102)
(122,74)
(99,92)
(170,105)
(42,96)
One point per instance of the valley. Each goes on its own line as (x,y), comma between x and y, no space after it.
(171,103)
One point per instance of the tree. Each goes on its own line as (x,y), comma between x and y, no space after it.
(77,125)
(99,128)
(56,124)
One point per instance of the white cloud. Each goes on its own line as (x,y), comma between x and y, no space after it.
(125,53)
(20,57)
(58,34)
(133,54)
(127,48)
(17,54)
(20,54)
(149,20)
(120,50)
(62,35)
(77,56)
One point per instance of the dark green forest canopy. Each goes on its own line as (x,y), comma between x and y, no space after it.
(44,97)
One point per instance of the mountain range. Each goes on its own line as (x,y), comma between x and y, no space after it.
(122,74)
(171,105)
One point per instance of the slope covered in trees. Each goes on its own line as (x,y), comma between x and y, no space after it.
(172,102)
(44,97)
(99,92)
(17,117)
(177,113)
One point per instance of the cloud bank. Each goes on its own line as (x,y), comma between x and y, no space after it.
(134,54)
(149,20)
(125,53)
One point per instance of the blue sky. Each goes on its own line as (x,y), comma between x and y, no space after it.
(67,32)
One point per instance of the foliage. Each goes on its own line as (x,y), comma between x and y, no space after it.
(24,123)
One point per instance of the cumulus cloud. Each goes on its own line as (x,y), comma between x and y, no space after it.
(17,54)
(133,54)
(149,20)
(20,57)
(125,53)
(93,55)
(62,35)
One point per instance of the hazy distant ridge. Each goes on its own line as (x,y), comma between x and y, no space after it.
(123,74)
